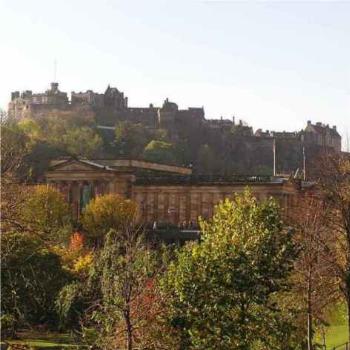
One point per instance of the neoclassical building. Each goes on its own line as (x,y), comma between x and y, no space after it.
(164,193)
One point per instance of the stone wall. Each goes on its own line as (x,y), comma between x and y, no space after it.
(183,205)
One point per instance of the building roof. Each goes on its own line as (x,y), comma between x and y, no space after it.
(127,165)
(321,129)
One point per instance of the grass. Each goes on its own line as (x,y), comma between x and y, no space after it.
(46,340)
(335,336)
(337,333)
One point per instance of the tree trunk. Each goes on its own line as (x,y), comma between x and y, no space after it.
(309,312)
(348,313)
(128,330)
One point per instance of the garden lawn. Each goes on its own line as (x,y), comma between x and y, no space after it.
(46,340)
(335,335)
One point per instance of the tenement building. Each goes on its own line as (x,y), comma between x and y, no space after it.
(163,193)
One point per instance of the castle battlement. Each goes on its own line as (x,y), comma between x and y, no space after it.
(112,106)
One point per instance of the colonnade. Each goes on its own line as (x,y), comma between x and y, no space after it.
(79,192)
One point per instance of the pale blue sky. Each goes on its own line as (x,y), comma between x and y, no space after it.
(273,64)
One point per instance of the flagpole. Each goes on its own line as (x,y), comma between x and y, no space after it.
(304,163)
(274,156)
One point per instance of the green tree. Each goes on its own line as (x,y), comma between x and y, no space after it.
(107,212)
(31,279)
(160,152)
(82,141)
(130,138)
(37,161)
(222,291)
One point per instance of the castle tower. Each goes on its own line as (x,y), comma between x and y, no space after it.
(166,114)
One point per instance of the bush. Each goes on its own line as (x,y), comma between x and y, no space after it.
(31,279)
(107,212)
(8,326)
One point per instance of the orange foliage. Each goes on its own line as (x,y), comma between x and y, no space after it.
(76,241)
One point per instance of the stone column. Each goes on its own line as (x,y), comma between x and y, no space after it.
(69,191)
(79,193)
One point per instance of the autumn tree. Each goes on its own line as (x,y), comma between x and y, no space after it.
(122,301)
(14,147)
(46,213)
(334,182)
(107,212)
(315,284)
(223,291)
(124,267)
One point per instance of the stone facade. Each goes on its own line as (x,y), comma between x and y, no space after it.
(322,135)
(164,194)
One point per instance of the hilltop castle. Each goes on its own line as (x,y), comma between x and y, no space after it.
(236,146)
(111,106)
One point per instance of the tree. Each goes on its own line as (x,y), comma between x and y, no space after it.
(82,141)
(315,283)
(45,213)
(130,138)
(160,152)
(107,212)
(14,147)
(206,160)
(31,128)
(68,134)
(335,187)
(31,278)
(123,269)
(222,291)
(37,161)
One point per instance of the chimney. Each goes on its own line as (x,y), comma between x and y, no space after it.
(319,124)
(335,127)
(309,122)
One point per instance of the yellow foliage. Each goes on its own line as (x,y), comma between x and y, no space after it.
(83,263)
(45,211)
(30,127)
(107,212)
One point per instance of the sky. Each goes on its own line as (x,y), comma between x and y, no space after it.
(273,64)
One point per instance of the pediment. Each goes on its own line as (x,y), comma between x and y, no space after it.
(76,165)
